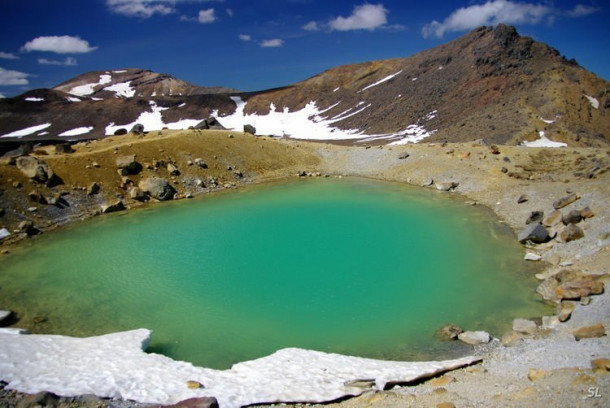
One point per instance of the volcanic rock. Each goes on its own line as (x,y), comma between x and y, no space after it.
(158,188)
(573,217)
(564,201)
(128,165)
(474,337)
(571,233)
(36,170)
(534,232)
(249,129)
(114,207)
(587,332)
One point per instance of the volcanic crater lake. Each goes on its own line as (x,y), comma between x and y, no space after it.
(352,266)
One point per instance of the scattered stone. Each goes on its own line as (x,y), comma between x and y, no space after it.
(28,228)
(403,156)
(601,365)
(189,162)
(564,201)
(441,381)
(209,123)
(93,188)
(37,197)
(238,174)
(571,233)
(136,194)
(4,233)
(158,188)
(114,207)
(450,151)
(427,182)
(511,338)
(37,170)
(587,213)
(5,315)
(137,129)
(249,129)
(573,217)
(445,405)
(530,256)
(524,326)
(199,162)
(120,132)
(494,149)
(535,216)
(535,375)
(17,184)
(564,310)
(39,319)
(588,332)
(128,165)
(199,183)
(63,148)
(452,185)
(449,331)
(201,402)
(474,337)
(579,288)
(523,198)
(463,155)
(95,164)
(172,169)
(504,170)
(193,385)
(188,195)
(553,219)
(534,232)
(585,300)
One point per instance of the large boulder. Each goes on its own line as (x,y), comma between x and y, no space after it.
(137,129)
(210,123)
(249,129)
(474,337)
(157,187)
(37,170)
(113,207)
(534,232)
(128,165)
(571,233)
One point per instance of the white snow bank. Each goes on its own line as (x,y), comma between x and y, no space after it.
(123,89)
(153,121)
(105,79)
(381,81)
(412,134)
(88,89)
(114,366)
(119,72)
(594,102)
(549,121)
(544,142)
(27,131)
(73,99)
(306,123)
(33,99)
(77,131)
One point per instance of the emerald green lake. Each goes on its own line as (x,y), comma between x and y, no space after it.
(351,266)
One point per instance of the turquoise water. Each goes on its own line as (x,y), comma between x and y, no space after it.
(351,266)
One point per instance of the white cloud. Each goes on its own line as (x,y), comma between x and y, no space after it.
(581,10)
(8,56)
(311,26)
(274,43)
(68,62)
(364,17)
(494,12)
(245,37)
(207,16)
(140,8)
(64,44)
(230,12)
(10,77)
(147,8)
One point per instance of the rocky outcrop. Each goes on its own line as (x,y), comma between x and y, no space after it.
(37,170)
(128,165)
(158,188)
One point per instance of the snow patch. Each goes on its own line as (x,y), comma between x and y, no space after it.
(33,99)
(412,134)
(594,102)
(153,121)
(115,366)
(119,72)
(43,133)
(381,81)
(77,131)
(549,121)
(306,123)
(336,89)
(105,79)
(88,89)
(73,99)
(414,79)
(27,131)
(122,89)
(182,105)
(544,142)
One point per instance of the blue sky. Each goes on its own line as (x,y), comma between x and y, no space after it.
(259,44)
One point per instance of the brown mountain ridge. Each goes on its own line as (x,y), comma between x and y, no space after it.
(490,84)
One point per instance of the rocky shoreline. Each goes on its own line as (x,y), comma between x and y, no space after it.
(552,360)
